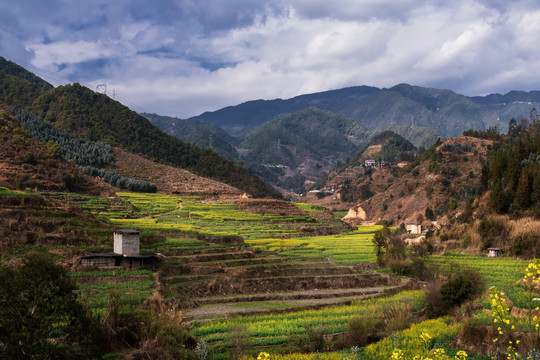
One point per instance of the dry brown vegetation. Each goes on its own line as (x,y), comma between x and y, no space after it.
(27,163)
(37,221)
(402,195)
(169,180)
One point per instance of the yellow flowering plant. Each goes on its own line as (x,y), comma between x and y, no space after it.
(504,322)
(434,354)
(263,356)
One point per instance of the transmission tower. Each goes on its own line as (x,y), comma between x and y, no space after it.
(101,88)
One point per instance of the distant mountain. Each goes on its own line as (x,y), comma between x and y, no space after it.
(235,119)
(97,117)
(197,132)
(444,111)
(292,151)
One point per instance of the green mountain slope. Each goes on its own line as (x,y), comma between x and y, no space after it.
(197,132)
(18,86)
(417,135)
(97,117)
(294,150)
(13,69)
(442,110)
(387,146)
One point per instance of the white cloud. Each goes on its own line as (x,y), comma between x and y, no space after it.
(68,52)
(182,58)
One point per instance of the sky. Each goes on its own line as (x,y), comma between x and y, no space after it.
(181,58)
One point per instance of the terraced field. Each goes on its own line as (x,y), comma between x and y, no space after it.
(236,279)
(236,273)
(97,287)
(208,267)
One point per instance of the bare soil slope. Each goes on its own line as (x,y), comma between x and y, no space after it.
(170,180)
(407,195)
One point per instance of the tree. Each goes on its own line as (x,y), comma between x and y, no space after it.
(512,128)
(37,306)
(430,215)
(379,240)
(54,149)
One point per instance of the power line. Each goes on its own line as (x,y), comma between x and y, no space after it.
(131,104)
(47,74)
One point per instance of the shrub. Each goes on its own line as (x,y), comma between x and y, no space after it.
(430,215)
(465,284)
(315,338)
(461,287)
(493,231)
(396,318)
(30,158)
(416,267)
(240,340)
(435,306)
(363,330)
(467,241)
(38,304)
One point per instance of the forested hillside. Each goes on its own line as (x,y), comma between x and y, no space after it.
(28,163)
(10,68)
(294,150)
(79,110)
(197,132)
(512,172)
(19,87)
(386,146)
(419,136)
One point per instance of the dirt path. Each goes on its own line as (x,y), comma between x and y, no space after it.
(268,303)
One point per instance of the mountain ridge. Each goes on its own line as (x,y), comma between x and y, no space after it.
(444,110)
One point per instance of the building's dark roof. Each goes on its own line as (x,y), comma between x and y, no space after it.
(127,231)
(113,254)
(104,254)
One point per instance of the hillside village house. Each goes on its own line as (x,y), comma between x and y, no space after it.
(369,163)
(126,253)
(413,228)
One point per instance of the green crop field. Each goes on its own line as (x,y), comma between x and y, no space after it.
(275,330)
(502,272)
(7,192)
(131,287)
(190,215)
(351,248)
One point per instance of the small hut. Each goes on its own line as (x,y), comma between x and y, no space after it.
(494,252)
(126,246)
(413,228)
